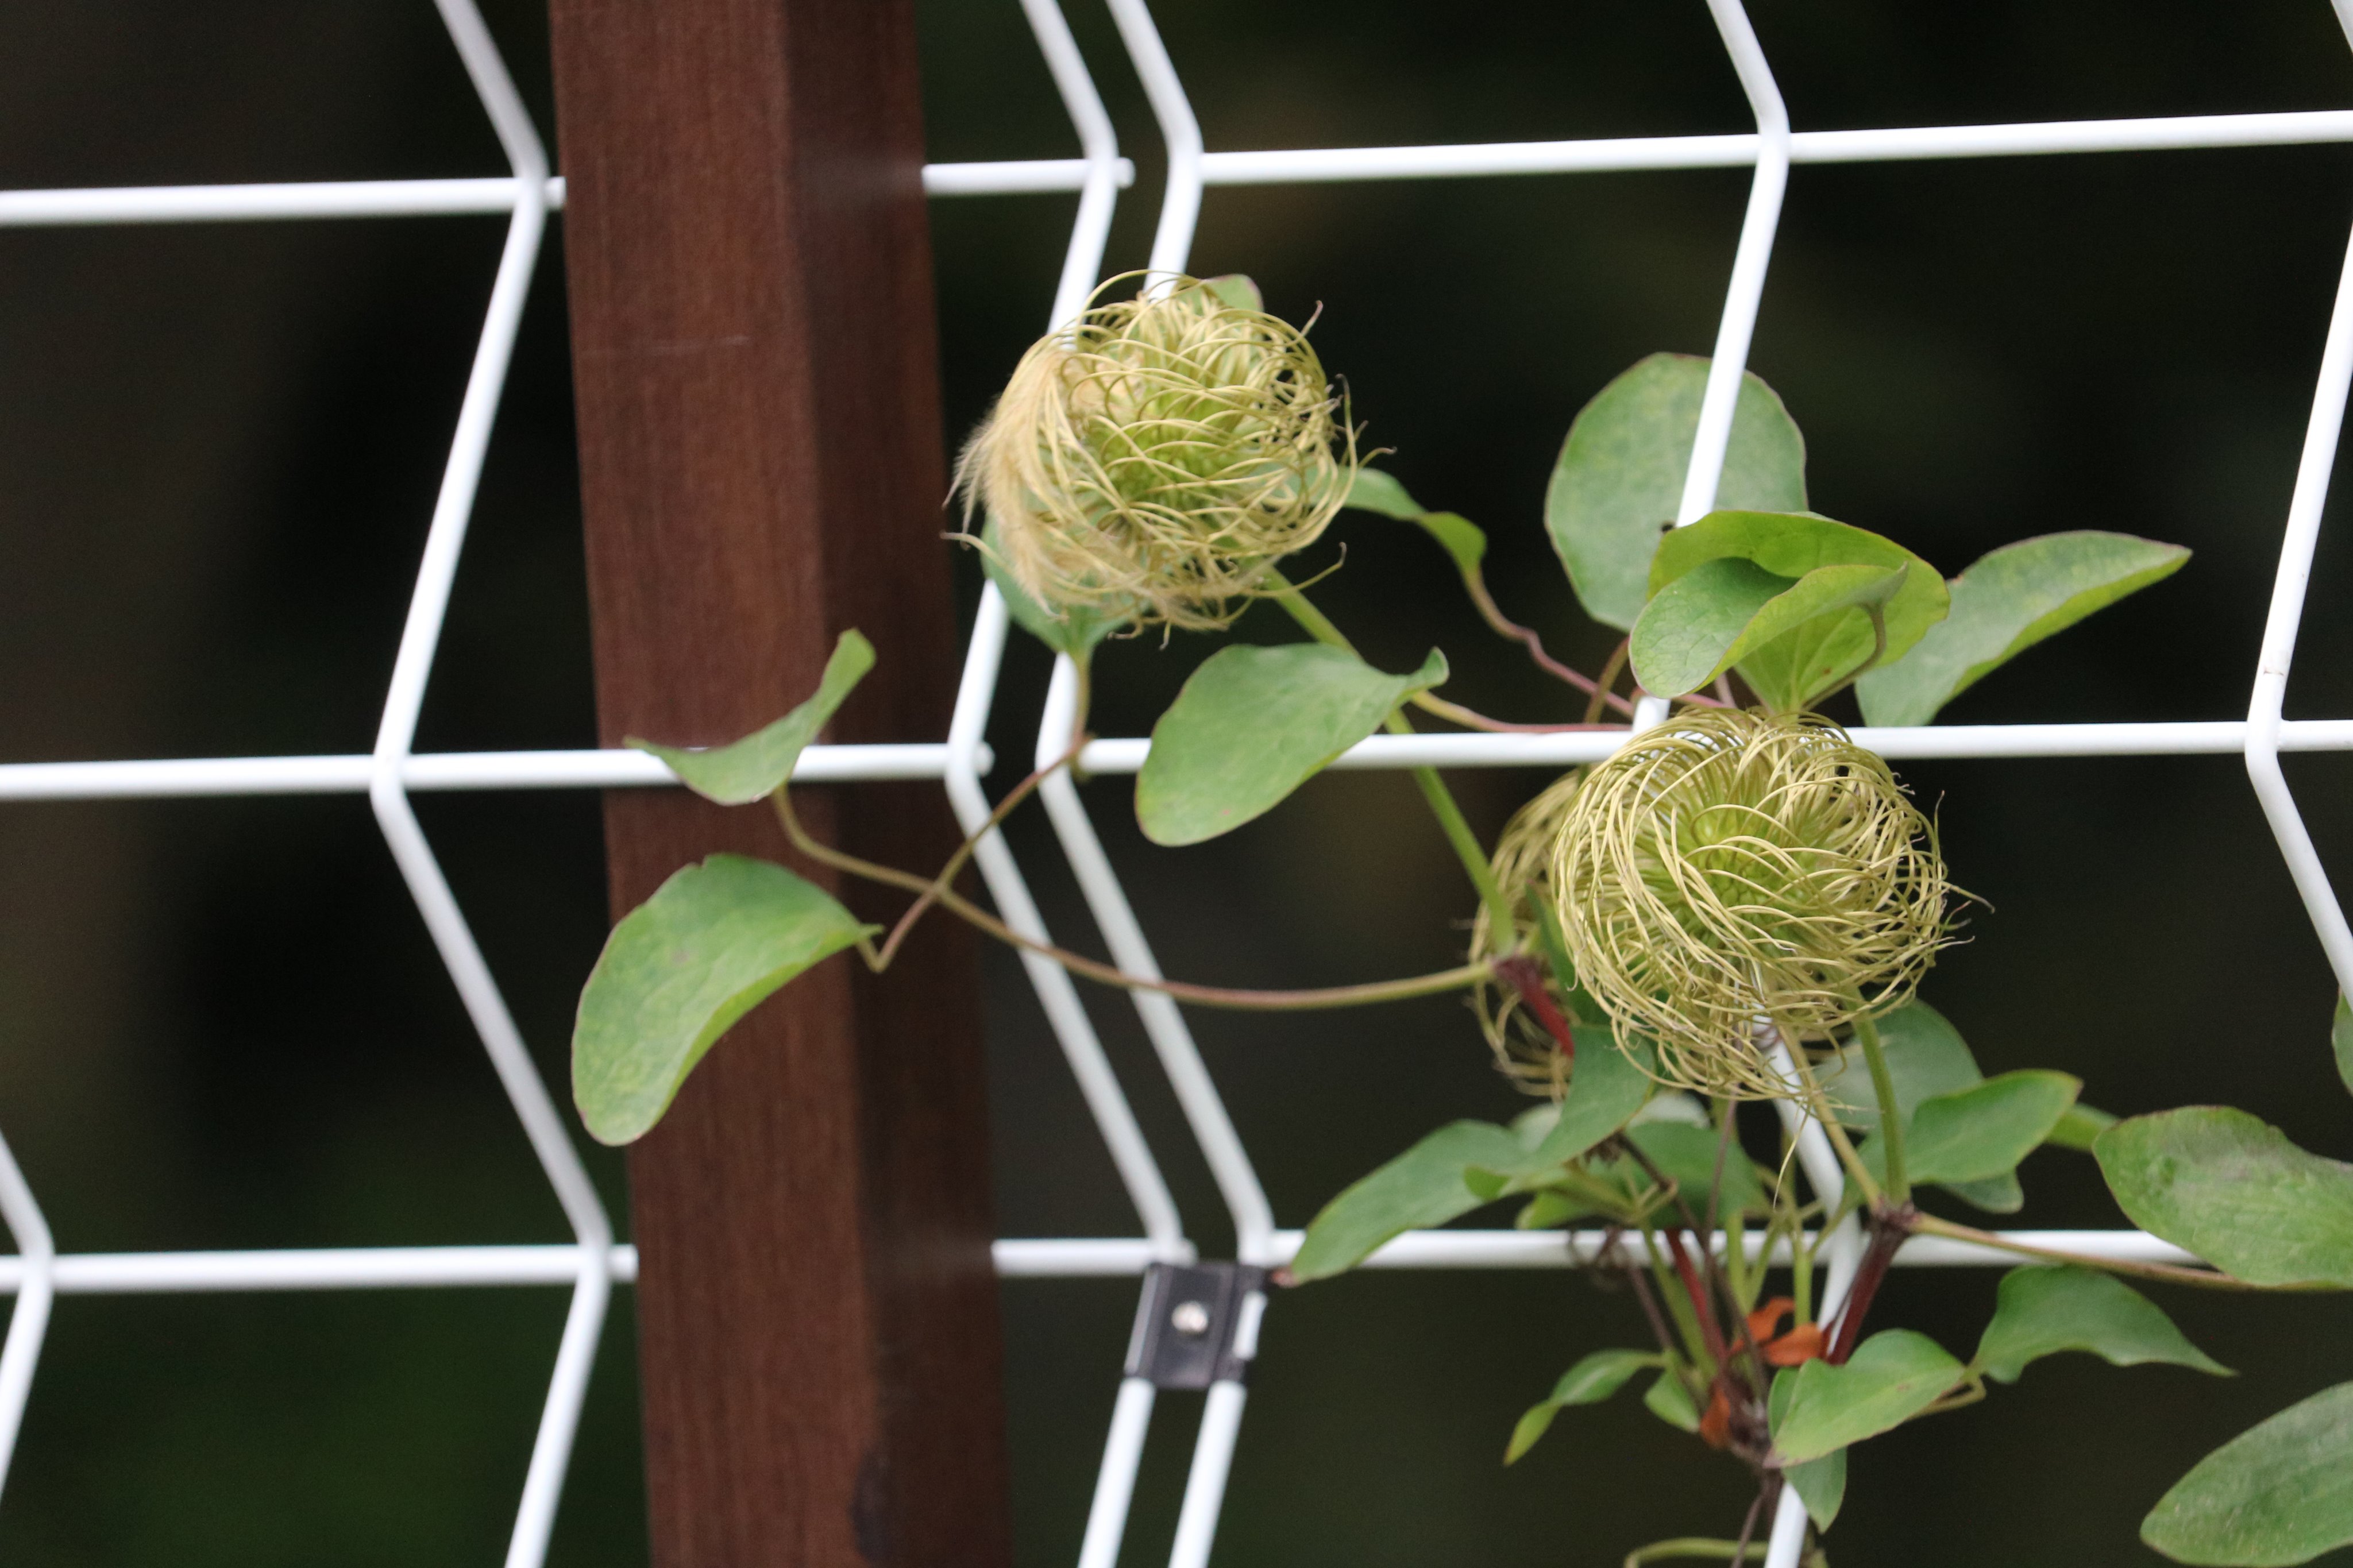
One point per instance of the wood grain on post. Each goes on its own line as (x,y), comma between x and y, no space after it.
(760,453)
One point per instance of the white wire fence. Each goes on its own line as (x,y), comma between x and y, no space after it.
(591,1264)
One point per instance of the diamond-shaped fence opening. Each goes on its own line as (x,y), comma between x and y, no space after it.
(392,771)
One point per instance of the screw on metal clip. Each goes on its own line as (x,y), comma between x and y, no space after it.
(1189,1325)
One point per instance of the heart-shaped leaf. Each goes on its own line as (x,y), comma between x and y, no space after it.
(2010,600)
(1253,725)
(2280,1493)
(1825,649)
(2041,1310)
(1893,1376)
(1790,544)
(1682,635)
(1821,1484)
(1589,1382)
(746,770)
(678,972)
(1620,473)
(1727,611)
(2235,1192)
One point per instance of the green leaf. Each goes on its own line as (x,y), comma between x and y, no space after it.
(1609,1084)
(1619,476)
(1421,1187)
(1374,490)
(1465,1165)
(1236,290)
(1075,632)
(1607,1088)
(1670,1402)
(1253,725)
(1589,1382)
(2005,604)
(1818,652)
(2041,1310)
(2340,1038)
(1601,1374)
(1893,1376)
(1994,1194)
(1821,1484)
(2235,1192)
(1684,635)
(1682,1152)
(746,770)
(2281,1494)
(1723,612)
(680,970)
(1549,1208)
(1985,1130)
(1926,1057)
(1676,1105)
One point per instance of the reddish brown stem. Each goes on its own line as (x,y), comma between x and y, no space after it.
(1703,1299)
(1526,976)
(1476,583)
(1104,974)
(1610,1250)
(1707,1256)
(931,895)
(1889,1229)
(1770,1491)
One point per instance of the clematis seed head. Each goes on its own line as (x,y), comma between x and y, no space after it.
(1525,1051)
(1154,458)
(1726,870)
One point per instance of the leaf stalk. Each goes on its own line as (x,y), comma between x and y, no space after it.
(1234,997)
(1890,1115)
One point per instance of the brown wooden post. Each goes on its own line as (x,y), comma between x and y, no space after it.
(760,453)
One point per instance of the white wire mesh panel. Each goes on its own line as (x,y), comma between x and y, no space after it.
(392,771)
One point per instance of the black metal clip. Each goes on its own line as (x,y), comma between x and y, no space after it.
(1186,1324)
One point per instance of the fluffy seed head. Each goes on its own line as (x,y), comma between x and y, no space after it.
(1524,1049)
(1728,869)
(1157,457)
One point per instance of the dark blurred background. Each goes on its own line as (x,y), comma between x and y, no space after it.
(221,1024)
